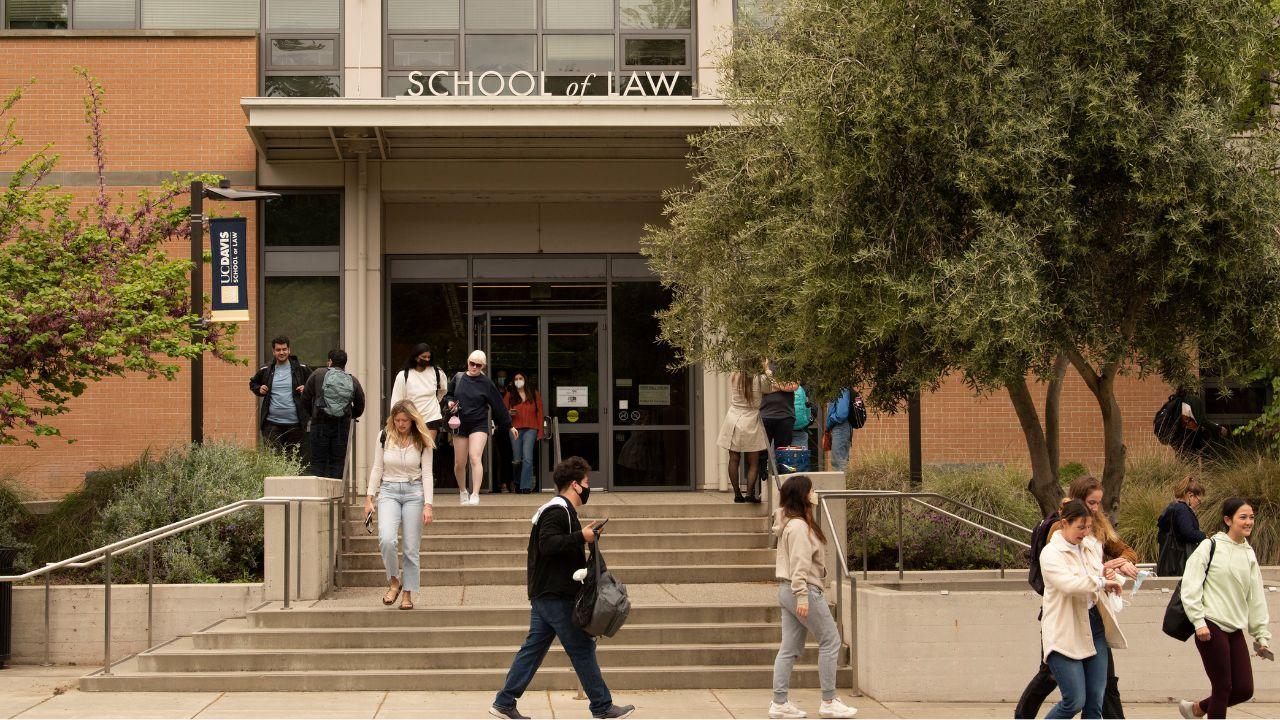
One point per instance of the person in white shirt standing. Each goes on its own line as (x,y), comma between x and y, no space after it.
(401,481)
(422,383)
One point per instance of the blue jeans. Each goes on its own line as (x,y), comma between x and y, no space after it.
(550,618)
(522,450)
(400,505)
(841,441)
(1082,682)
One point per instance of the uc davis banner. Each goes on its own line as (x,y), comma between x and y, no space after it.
(230,275)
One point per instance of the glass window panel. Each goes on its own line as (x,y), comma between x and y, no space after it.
(650,458)
(302,86)
(655,14)
(186,14)
(424,53)
(307,310)
(578,53)
(106,14)
(503,53)
(641,364)
(422,14)
(400,85)
(662,52)
(35,14)
(302,14)
(502,14)
(579,15)
(572,85)
(303,219)
(303,52)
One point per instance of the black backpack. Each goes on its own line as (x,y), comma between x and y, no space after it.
(857,412)
(1039,538)
(602,604)
(1167,420)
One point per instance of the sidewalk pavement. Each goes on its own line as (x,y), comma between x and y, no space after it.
(38,692)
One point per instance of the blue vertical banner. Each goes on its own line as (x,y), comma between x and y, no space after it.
(230,272)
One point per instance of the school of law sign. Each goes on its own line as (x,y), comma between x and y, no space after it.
(523,84)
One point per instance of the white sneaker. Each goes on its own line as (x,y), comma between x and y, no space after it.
(785,710)
(475,499)
(835,708)
(1187,709)
(463,497)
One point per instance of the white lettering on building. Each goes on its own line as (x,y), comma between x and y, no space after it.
(523,84)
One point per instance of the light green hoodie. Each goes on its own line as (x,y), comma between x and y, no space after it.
(1232,594)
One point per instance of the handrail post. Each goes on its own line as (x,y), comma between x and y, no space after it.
(856,686)
(297,585)
(106,622)
(866,530)
(48,638)
(151,572)
(901,567)
(333,555)
(285,505)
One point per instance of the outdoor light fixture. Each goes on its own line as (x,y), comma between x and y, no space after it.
(199,192)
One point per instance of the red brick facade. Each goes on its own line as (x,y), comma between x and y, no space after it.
(167,109)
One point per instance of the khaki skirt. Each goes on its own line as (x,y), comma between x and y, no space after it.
(742,431)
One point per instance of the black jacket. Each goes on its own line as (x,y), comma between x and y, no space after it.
(1181,520)
(315,386)
(263,377)
(556,552)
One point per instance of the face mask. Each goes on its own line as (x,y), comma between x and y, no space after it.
(422,364)
(1137,583)
(519,384)
(584,493)
(502,382)
(813,497)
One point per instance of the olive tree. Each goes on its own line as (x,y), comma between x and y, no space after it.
(999,190)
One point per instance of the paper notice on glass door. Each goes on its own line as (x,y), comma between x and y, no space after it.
(568,396)
(657,395)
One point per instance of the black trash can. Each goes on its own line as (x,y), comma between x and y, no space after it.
(7,556)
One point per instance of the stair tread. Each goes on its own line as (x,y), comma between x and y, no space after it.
(126,672)
(180,651)
(466,628)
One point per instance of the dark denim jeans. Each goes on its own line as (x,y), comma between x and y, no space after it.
(328,448)
(551,618)
(1082,682)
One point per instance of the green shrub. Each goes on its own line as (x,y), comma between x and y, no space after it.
(15,522)
(1069,472)
(68,530)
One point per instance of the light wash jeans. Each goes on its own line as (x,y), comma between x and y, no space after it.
(794,631)
(841,441)
(522,450)
(400,505)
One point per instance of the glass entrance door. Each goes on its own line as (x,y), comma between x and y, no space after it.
(562,358)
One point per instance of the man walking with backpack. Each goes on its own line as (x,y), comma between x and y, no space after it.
(557,545)
(333,398)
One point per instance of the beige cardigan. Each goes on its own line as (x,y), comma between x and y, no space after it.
(1069,584)
(802,559)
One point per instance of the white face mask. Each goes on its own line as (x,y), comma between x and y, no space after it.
(813,497)
(519,384)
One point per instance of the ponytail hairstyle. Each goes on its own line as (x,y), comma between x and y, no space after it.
(1186,487)
(1081,488)
(1230,507)
(1071,511)
(793,498)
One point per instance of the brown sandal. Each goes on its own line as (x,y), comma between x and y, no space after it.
(392,593)
(406,603)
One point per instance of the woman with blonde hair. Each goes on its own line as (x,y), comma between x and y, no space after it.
(742,432)
(401,481)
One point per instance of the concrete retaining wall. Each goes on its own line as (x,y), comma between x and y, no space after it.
(984,647)
(76,615)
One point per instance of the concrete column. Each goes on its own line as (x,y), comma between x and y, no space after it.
(362,48)
(309,538)
(362,296)
(715,403)
(714,32)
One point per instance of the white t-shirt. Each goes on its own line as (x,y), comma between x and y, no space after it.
(423,388)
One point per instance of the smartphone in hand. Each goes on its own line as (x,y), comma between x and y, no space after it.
(1264,653)
(368,522)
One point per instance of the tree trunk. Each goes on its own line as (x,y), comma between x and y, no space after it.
(1102,385)
(1044,472)
(1053,411)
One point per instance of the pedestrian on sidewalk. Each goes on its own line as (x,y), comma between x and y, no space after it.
(471,397)
(741,433)
(1118,559)
(1077,626)
(1178,532)
(801,569)
(400,483)
(1223,596)
(525,405)
(333,398)
(557,550)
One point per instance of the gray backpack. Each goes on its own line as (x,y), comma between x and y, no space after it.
(336,392)
(602,604)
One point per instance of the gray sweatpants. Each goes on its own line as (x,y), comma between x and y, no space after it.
(794,630)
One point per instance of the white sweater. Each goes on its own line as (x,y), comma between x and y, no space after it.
(424,389)
(393,463)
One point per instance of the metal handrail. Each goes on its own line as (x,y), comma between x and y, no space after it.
(104,555)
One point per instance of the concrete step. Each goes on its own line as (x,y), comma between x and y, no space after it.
(127,677)
(517,575)
(237,634)
(485,559)
(652,541)
(182,657)
(622,526)
(377,616)
(445,506)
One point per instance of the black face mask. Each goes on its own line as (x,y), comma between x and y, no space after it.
(422,364)
(584,492)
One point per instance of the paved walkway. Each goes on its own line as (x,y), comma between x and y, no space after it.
(36,692)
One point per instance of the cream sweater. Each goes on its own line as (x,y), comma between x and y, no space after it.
(1072,582)
(1232,596)
(802,558)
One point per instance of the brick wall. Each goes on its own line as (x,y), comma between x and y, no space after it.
(167,109)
